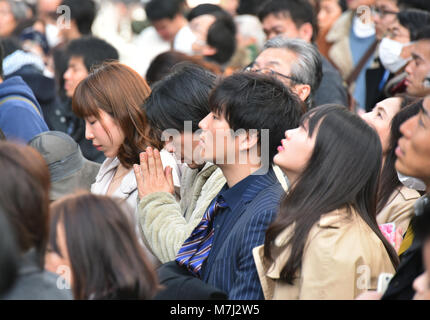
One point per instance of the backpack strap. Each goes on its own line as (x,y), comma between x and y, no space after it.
(21,99)
(360,65)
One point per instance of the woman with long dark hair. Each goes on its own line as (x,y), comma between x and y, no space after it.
(395,201)
(93,237)
(325,242)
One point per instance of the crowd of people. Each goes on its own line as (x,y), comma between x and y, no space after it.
(245,150)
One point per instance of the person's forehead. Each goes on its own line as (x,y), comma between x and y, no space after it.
(386,3)
(422,50)
(279,18)
(329,4)
(203,19)
(4,5)
(202,23)
(48,5)
(161,23)
(390,105)
(281,55)
(76,61)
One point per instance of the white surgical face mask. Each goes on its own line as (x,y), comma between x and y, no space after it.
(363,30)
(411,183)
(389,53)
(52,36)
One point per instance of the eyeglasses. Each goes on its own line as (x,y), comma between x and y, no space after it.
(382,12)
(273,73)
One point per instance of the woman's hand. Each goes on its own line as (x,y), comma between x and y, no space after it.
(150,176)
(369,295)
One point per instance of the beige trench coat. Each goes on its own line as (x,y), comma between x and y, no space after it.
(343,257)
(399,208)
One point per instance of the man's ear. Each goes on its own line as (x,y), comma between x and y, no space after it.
(306,31)
(248,140)
(74,27)
(302,90)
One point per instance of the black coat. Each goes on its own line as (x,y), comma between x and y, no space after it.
(411,266)
(179,284)
(374,93)
(34,283)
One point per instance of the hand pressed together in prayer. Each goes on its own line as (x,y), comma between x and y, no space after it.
(150,176)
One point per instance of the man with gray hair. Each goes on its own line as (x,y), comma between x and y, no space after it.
(295,19)
(295,62)
(12,14)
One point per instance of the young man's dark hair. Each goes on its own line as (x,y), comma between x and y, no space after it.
(83,13)
(414,4)
(204,8)
(170,104)
(414,20)
(222,37)
(165,63)
(163,9)
(92,50)
(248,7)
(242,97)
(300,11)
(423,34)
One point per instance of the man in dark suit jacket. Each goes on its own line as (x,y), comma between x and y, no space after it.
(258,109)
(253,203)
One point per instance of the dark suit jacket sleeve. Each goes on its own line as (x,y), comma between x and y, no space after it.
(331,89)
(247,284)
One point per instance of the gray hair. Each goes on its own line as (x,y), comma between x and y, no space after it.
(308,66)
(19,9)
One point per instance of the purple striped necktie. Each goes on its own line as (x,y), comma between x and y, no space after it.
(196,248)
